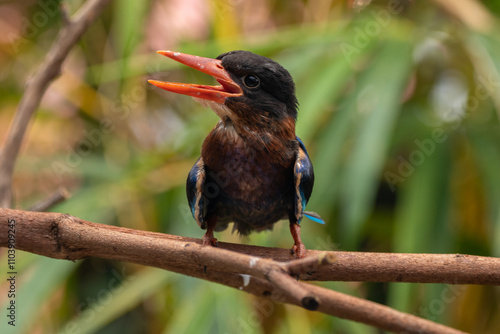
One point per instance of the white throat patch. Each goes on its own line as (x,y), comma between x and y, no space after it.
(220,109)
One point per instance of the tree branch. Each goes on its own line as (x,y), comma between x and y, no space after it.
(45,204)
(36,87)
(260,271)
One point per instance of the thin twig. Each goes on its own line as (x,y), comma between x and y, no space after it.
(62,236)
(35,88)
(472,13)
(65,16)
(45,204)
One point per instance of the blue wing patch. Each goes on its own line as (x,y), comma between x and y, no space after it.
(304,180)
(302,146)
(194,189)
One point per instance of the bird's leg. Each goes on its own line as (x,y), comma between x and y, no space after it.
(298,249)
(208,238)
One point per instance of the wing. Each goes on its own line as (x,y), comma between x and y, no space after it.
(304,181)
(194,189)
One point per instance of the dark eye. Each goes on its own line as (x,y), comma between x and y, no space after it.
(251,81)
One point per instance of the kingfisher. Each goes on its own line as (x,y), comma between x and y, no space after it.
(253,170)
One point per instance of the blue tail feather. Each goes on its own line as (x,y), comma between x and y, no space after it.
(314,217)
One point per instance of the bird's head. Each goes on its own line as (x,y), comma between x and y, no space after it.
(255,92)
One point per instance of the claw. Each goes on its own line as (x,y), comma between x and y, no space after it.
(299,251)
(209,240)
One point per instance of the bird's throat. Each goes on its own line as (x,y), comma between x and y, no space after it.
(275,140)
(219,109)
(227,140)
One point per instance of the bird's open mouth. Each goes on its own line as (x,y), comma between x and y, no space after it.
(227,88)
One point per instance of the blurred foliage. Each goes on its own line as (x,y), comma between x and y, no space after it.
(400,104)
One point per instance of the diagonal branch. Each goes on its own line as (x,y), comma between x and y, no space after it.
(261,271)
(36,87)
(45,204)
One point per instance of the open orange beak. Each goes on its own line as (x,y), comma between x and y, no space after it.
(227,88)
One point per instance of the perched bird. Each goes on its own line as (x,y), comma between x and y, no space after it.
(253,169)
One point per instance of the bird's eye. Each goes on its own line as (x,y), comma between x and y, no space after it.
(251,81)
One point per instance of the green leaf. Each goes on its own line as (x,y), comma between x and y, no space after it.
(34,286)
(487,154)
(378,103)
(327,79)
(419,214)
(118,299)
(210,308)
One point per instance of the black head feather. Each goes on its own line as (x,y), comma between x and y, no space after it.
(274,93)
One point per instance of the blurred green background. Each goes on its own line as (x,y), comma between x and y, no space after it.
(399,109)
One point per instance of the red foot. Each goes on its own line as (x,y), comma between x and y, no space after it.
(299,251)
(208,238)
(209,241)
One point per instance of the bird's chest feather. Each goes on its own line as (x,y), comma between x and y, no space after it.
(245,176)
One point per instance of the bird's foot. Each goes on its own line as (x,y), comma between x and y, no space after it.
(298,251)
(208,237)
(209,241)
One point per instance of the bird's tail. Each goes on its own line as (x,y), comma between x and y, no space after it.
(314,217)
